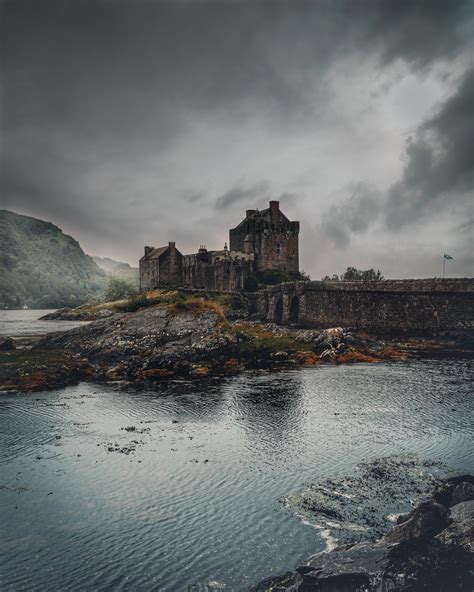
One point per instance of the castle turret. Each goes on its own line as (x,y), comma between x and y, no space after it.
(248,244)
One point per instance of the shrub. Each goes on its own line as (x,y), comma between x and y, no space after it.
(250,284)
(232,301)
(119,289)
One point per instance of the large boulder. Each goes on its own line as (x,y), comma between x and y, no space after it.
(428,566)
(459,534)
(463,492)
(425,521)
(462,511)
(444,493)
(360,567)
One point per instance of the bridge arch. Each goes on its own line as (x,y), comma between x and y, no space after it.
(294,310)
(278,310)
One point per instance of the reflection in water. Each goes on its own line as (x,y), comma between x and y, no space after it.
(109,489)
(271,410)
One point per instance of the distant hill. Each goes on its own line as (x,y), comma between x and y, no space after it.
(42,267)
(118,269)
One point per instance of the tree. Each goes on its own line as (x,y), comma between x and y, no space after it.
(119,289)
(353,274)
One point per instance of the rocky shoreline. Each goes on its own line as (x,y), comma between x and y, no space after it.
(77,314)
(429,549)
(161,342)
(195,338)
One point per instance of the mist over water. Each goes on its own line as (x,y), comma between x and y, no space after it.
(21,323)
(193,491)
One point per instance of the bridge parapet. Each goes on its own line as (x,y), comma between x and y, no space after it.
(419,306)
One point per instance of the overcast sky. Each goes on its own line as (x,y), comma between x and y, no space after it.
(138,122)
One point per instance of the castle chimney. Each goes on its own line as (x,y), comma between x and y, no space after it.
(172,248)
(249,213)
(274,209)
(148,250)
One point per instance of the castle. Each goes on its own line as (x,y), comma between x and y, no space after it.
(264,240)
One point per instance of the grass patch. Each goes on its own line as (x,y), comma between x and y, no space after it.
(175,300)
(255,338)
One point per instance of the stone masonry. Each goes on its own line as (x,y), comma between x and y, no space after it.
(415,307)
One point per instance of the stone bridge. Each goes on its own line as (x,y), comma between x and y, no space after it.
(388,306)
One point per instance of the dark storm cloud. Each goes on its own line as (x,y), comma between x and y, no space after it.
(93,88)
(241,194)
(439,168)
(353,215)
(438,175)
(417,31)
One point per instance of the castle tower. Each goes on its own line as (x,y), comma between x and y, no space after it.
(274,238)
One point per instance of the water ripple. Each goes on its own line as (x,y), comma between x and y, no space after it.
(198,495)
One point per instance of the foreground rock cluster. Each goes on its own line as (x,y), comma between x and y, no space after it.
(430,549)
(163,341)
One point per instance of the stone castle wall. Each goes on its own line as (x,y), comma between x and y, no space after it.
(225,273)
(279,250)
(393,306)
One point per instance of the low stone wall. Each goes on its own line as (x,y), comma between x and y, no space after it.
(415,307)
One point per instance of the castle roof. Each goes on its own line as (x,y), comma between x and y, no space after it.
(262,215)
(158,252)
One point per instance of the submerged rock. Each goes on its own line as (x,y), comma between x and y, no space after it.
(7,344)
(359,506)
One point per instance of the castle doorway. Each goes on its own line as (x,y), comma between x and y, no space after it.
(278,315)
(294,312)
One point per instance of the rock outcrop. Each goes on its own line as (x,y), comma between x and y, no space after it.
(430,550)
(147,344)
(195,339)
(77,314)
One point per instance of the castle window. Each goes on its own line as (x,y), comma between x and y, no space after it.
(278,248)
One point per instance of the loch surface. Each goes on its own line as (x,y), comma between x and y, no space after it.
(181,487)
(21,323)
(193,494)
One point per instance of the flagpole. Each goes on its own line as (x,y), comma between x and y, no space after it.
(444,266)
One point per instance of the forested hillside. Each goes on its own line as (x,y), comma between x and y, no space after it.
(42,267)
(118,269)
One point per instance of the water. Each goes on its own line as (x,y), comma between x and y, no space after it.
(22,323)
(195,493)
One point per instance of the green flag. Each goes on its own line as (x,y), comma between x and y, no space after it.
(448,256)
